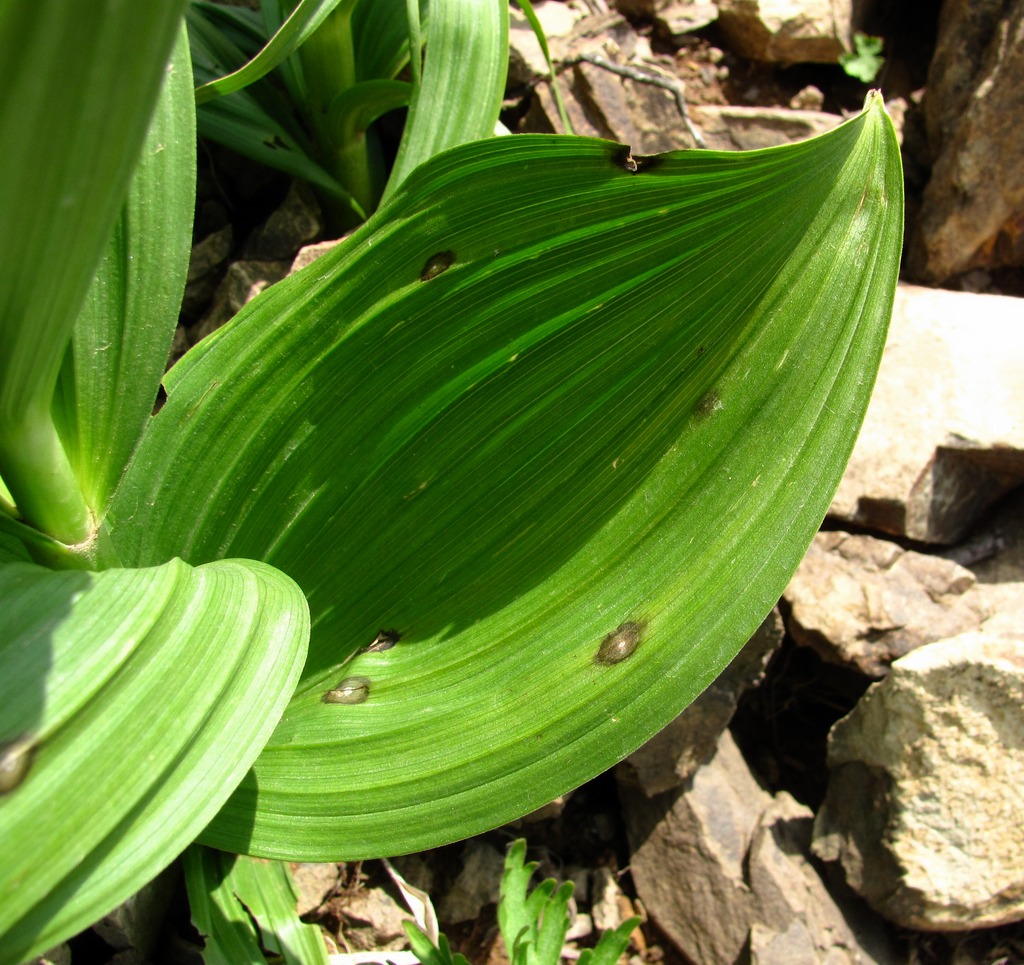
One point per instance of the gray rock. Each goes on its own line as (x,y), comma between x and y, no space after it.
(723,870)
(973,206)
(243,281)
(477,884)
(296,222)
(688,852)
(647,118)
(943,438)
(865,602)
(925,807)
(786,32)
(675,753)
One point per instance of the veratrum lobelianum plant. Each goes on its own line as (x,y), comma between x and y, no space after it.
(559,420)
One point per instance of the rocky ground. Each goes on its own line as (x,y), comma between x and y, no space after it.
(852,789)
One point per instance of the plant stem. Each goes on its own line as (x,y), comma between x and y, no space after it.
(329,67)
(40,478)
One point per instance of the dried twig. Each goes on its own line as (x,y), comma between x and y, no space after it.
(650,76)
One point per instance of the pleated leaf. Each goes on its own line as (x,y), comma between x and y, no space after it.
(121,340)
(132,702)
(562,419)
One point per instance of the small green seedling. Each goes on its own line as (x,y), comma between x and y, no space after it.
(533,923)
(865,60)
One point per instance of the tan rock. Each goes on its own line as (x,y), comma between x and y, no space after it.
(972,212)
(925,807)
(866,602)
(787,31)
(944,434)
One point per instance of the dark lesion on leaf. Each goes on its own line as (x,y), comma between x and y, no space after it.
(351,690)
(15,762)
(384,640)
(709,404)
(437,265)
(621,643)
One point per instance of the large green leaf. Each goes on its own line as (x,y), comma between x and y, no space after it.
(119,347)
(79,82)
(551,405)
(131,704)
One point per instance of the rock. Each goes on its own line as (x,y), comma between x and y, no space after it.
(315,883)
(675,753)
(787,31)
(136,924)
(688,852)
(478,883)
(204,266)
(243,282)
(675,19)
(972,211)
(996,556)
(374,920)
(526,59)
(865,602)
(797,919)
(943,438)
(647,118)
(296,222)
(723,870)
(309,253)
(925,808)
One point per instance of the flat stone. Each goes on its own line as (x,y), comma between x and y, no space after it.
(943,438)
(925,807)
(865,602)
(787,31)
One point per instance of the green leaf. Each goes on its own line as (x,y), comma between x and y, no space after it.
(611,945)
(230,895)
(122,338)
(132,703)
(865,61)
(228,930)
(257,122)
(428,953)
(79,84)
(306,17)
(551,405)
(458,97)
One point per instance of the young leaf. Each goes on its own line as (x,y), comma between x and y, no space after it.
(567,421)
(229,894)
(119,347)
(428,953)
(132,702)
(300,24)
(228,930)
(458,97)
(79,83)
